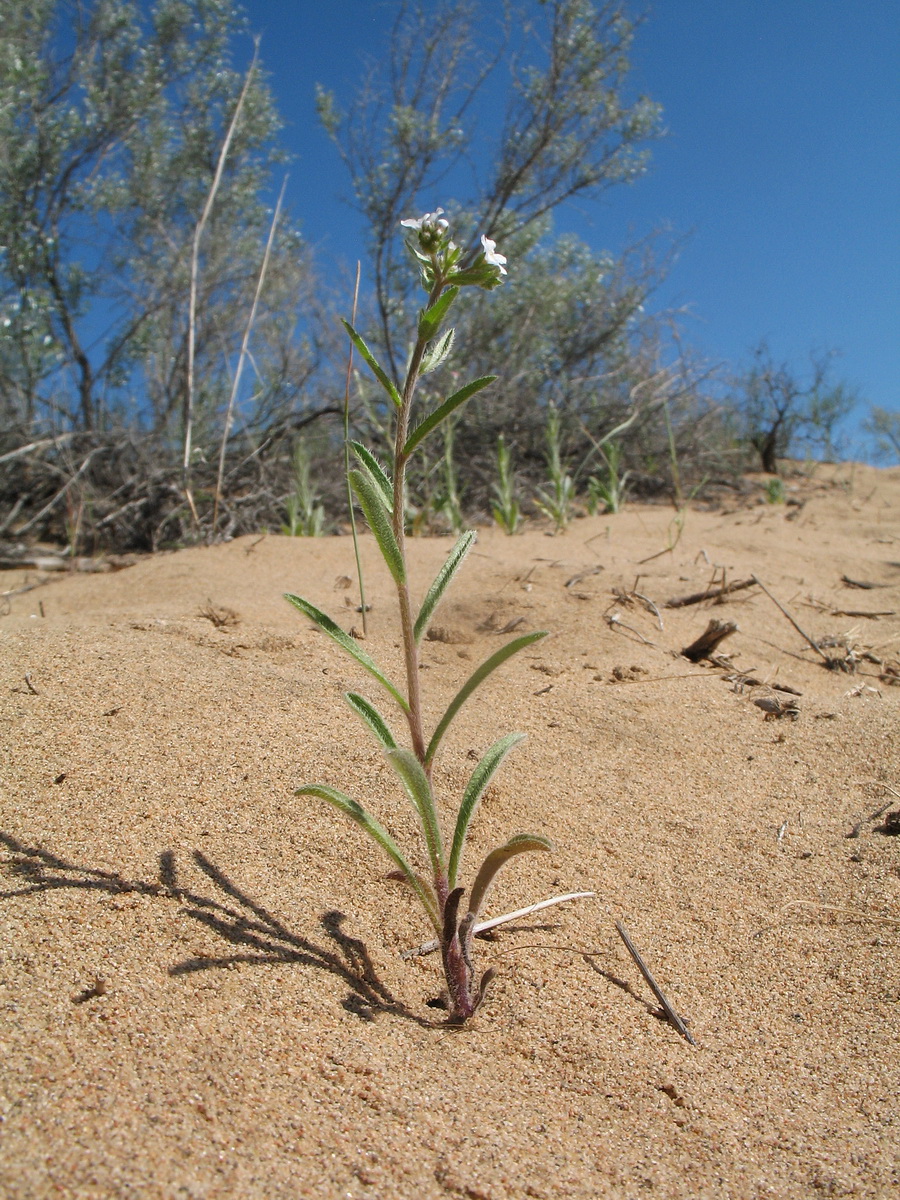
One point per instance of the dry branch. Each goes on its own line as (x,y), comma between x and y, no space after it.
(711,593)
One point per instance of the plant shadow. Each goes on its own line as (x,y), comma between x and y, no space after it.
(259,937)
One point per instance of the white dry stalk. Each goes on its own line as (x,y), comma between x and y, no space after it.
(482,926)
(195,269)
(244,349)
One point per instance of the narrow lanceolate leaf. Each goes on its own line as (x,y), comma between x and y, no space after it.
(442,582)
(418,789)
(373,719)
(372,504)
(476,678)
(430,319)
(431,422)
(479,780)
(438,352)
(355,811)
(378,371)
(346,642)
(520,844)
(379,476)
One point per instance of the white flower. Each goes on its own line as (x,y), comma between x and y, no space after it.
(490,255)
(429,221)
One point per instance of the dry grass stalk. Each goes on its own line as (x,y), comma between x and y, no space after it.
(195,276)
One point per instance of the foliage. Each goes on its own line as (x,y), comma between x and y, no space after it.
(380,494)
(884,427)
(555,500)
(609,488)
(780,411)
(506,509)
(111,118)
(306,516)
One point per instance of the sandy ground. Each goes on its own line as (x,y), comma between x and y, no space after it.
(201,987)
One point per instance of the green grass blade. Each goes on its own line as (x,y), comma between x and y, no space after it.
(418,788)
(431,423)
(346,642)
(371,502)
(442,582)
(355,811)
(430,319)
(373,719)
(374,468)
(479,780)
(476,678)
(378,371)
(520,844)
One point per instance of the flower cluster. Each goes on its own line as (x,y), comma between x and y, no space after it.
(440,258)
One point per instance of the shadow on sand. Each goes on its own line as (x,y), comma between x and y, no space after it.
(258,938)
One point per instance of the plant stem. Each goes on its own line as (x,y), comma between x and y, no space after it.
(407,621)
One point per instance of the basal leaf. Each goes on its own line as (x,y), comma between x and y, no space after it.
(373,719)
(442,582)
(479,780)
(378,371)
(371,502)
(419,791)
(356,812)
(431,422)
(346,642)
(476,678)
(377,472)
(520,844)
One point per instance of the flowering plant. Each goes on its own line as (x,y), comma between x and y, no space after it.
(444,272)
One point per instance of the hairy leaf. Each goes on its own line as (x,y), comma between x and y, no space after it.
(479,780)
(442,582)
(373,719)
(419,791)
(430,319)
(377,472)
(438,353)
(356,812)
(431,422)
(372,503)
(378,371)
(520,844)
(476,678)
(346,642)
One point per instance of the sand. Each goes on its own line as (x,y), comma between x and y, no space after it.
(201,987)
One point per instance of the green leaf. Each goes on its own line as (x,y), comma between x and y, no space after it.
(442,582)
(356,812)
(419,791)
(346,642)
(378,371)
(520,844)
(371,502)
(379,476)
(481,777)
(372,718)
(476,678)
(438,353)
(430,319)
(431,423)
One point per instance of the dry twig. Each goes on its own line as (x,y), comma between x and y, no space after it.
(667,1008)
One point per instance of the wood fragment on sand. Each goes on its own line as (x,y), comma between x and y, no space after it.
(708,641)
(711,593)
(671,1015)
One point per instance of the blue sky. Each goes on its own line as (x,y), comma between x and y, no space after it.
(781,167)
